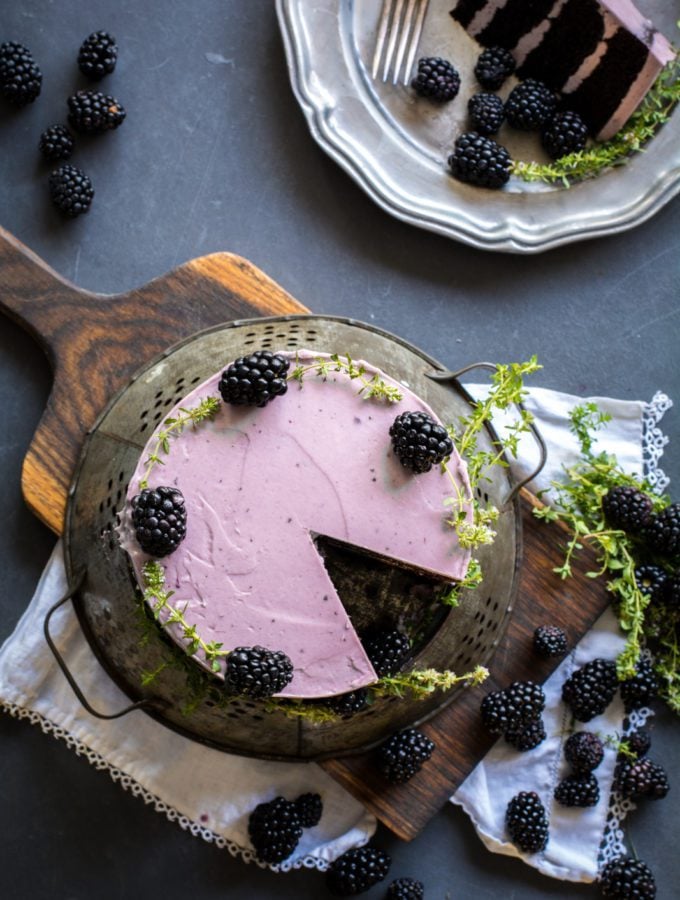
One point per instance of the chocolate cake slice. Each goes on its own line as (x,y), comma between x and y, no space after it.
(602,55)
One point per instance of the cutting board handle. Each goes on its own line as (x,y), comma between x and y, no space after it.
(96,342)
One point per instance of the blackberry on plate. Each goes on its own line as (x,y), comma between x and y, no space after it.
(357,870)
(550,641)
(527,822)
(97,55)
(590,689)
(584,751)
(627,508)
(387,650)
(526,737)
(494,65)
(564,133)
(480,161)
(348,704)
(486,112)
(20,77)
(419,442)
(255,380)
(624,878)
(274,829)
(257,672)
(91,112)
(530,105)
(641,689)
(402,755)
(406,889)
(578,790)
(436,79)
(651,581)
(643,778)
(639,742)
(662,531)
(309,808)
(159,518)
(512,708)
(56,142)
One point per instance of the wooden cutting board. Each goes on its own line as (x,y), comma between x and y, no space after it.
(95,343)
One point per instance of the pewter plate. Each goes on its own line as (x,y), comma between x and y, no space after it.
(395,145)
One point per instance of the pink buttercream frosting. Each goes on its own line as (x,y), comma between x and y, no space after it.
(259,484)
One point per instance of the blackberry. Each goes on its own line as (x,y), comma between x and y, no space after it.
(357,870)
(671,590)
(641,689)
(512,708)
(486,112)
(639,742)
(526,737)
(550,641)
(436,79)
(584,751)
(20,77)
(97,55)
(494,65)
(530,105)
(480,161)
(309,808)
(590,690)
(91,112)
(387,651)
(56,142)
(643,778)
(624,878)
(419,442)
(257,672)
(406,889)
(274,829)
(627,508)
(527,822)
(254,380)
(662,532)
(403,754)
(347,705)
(159,518)
(652,581)
(578,790)
(564,133)
(71,191)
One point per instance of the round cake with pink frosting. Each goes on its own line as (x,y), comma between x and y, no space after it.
(238,499)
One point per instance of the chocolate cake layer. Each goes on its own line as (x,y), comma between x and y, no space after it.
(512,20)
(466,10)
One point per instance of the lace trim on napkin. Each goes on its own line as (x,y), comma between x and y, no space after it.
(654,441)
(129,784)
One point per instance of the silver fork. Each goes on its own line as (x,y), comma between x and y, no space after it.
(399,30)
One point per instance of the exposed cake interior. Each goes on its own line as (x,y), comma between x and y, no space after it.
(603,55)
(259,483)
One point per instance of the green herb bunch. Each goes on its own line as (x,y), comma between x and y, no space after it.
(578,504)
(371,387)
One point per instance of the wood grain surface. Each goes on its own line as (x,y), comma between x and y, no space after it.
(461,740)
(96,342)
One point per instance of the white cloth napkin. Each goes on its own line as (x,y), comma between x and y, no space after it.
(210,793)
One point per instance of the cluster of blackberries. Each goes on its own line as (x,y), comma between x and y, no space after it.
(90,112)
(531,106)
(584,752)
(515,712)
(275,828)
(636,776)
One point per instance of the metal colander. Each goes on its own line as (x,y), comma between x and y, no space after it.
(108,603)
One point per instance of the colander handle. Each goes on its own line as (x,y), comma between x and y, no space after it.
(448,376)
(72,591)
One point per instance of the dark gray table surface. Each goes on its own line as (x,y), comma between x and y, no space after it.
(216,156)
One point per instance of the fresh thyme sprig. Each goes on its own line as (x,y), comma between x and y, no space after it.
(473,578)
(373,387)
(206,409)
(419,683)
(654,111)
(578,504)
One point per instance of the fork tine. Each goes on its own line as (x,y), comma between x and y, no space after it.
(382,34)
(415,39)
(394,30)
(405,31)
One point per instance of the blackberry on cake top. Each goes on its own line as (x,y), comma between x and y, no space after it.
(159,518)
(257,672)
(436,79)
(255,380)
(419,442)
(480,161)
